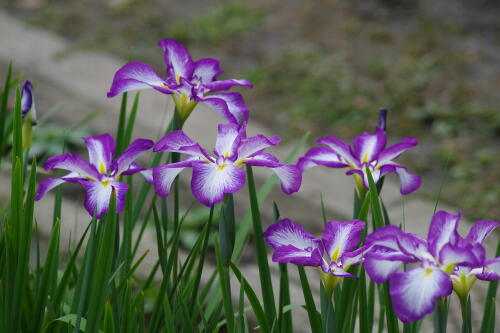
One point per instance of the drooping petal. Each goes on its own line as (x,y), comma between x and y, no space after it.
(285,232)
(455,255)
(211,181)
(442,230)
(321,156)
(480,230)
(262,159)
(206,69)
(355,257)
(413,245)
(74,163)
(134,168)
(491,270)
(228,137)
(49,183)
(148,175)
(164,175)
(294,255)
(395,150)
(230,106)
(99,194)
(339,237)
(367,146)
(408,182)
(386,236)
(178,141)
(255,144)
(341,148)
(380,263)
(177,58)
(290,177)
(101,151)
(415,291)
(227,84)
(125,160)
(134,76)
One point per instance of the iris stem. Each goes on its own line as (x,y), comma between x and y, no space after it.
(202,259)
(466,314)
(441,316)
(260,247)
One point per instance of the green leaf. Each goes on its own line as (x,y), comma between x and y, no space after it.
(4,101)
(378,217)
(109,323)
(81,291)
(120,131)
(284,319)
(440,316)
(63,283)
(201,263)
(244,226)
(314,316)
(48,270)
(328,320)
(17,134)
(227,229)
(131,122)
(69,320)
(242,327)
(262,319)
(488,321)
(225,287)
(102,269)
(260,247)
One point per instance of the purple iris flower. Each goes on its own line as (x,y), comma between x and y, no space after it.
(442,261)
(189,82)
(100,176)
(28,102)
(368,150)
(215,176)
(335,252)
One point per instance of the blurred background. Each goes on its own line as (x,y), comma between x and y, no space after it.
(327,66)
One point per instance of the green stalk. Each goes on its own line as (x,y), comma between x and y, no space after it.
(314,317)
(440,316)
(488,321)
(465,308)
(260,315)
(365,325)
(260,247)
(327,312)
(3,108)
(226,289)
(201,263)
(120,131)
(102,269)
(284,319)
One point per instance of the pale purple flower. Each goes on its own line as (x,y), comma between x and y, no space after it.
(223,173)
(335,252)
(189,82)
(28,102)
(368,150)
(440,260)
(464,277)
(100,176)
